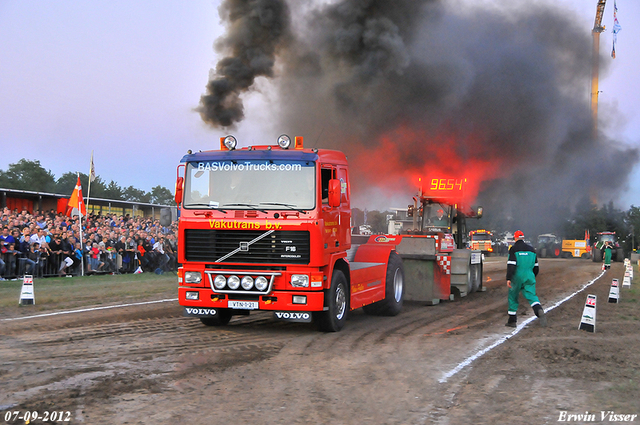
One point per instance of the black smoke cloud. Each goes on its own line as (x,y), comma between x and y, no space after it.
(255,30)
(505,88)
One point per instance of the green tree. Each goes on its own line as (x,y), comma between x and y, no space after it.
(113,191)
(633,221)
(378,221)
(136,195)
(28,175)
(357,217)
(161,195)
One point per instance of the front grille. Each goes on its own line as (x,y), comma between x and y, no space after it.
(279,247)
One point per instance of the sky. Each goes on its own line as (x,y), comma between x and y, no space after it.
(122,79)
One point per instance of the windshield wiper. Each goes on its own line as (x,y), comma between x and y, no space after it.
(252,206)
(205,205)
(290,206)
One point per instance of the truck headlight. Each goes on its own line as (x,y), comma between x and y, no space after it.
(261,283)
(192,277)
(300,280)
(219,282)
(247,282)
(233,282)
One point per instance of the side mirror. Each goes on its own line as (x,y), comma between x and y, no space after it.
(334,193)
(179,188)
(479,214)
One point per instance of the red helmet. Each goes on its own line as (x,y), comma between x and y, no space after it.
(518,235)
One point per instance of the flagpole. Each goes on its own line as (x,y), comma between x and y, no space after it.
(81,245)
(91,172)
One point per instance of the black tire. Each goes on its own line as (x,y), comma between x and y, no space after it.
(543,252)
(394,290)
(221,319)
(476,277)
(620,255)
(333,319)
(597,255)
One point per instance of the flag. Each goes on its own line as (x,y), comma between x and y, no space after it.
(92,170)
(76,200)
(616,29)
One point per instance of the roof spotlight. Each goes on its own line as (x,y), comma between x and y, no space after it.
(230,142)
(284,141)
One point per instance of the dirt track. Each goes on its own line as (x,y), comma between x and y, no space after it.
(148,364)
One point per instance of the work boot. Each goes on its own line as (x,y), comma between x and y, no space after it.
(513,321)
(542,317)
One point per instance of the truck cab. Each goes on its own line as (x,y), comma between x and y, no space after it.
(268,228)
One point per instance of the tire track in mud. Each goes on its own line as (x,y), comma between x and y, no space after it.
(174,335)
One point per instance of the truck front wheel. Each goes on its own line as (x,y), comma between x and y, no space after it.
(334,318)
(221,319)
(394,289)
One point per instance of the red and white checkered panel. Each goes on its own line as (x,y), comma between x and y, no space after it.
(437,241)
(444,261)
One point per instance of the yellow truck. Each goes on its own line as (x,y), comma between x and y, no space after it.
(576,248)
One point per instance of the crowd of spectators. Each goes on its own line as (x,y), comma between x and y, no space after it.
(50,244)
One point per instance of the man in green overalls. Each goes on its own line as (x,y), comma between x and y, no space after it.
(607,255)
(522,269)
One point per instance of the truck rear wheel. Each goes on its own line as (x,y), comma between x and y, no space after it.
(476,277)
(597,254)
(221,319)
(620,255)
(394,290)
(333,319)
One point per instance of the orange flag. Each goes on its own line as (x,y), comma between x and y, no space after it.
(76,200)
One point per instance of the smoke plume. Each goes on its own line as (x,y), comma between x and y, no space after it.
(256,28)
(412,89)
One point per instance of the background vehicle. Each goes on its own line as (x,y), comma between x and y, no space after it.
(549,245)
(601,238)
(439,230)
(576,248)
(481,240)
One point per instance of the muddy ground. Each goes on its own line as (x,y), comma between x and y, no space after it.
(148,364)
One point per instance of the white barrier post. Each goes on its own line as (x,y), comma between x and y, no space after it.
(626,282)
(614,292)
(588,321)
(27,296)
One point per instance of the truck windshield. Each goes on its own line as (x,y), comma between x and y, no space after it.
(481,237)
(250,184)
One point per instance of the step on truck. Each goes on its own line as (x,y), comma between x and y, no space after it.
(268,228)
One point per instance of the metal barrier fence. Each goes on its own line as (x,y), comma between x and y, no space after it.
(54,265)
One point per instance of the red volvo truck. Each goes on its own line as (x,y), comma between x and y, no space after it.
(268,228)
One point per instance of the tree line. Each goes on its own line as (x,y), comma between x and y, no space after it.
(32,176)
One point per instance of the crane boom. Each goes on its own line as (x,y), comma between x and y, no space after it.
(595,65)
(597,25)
